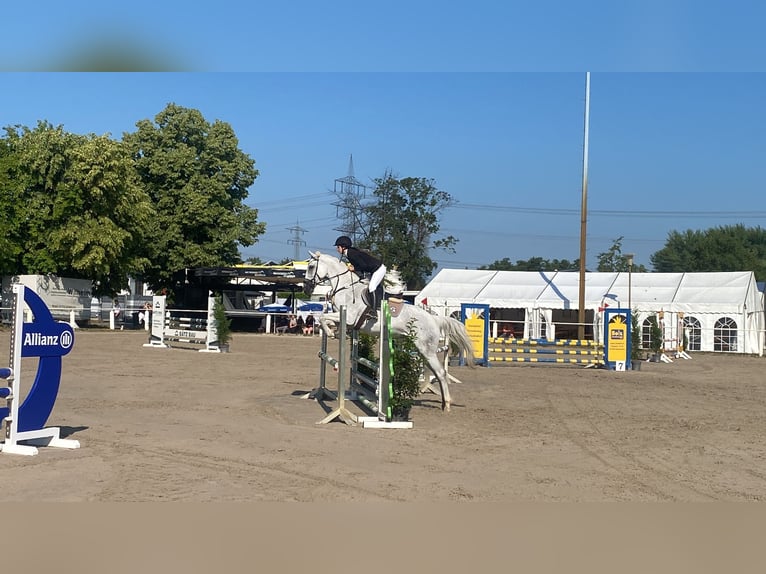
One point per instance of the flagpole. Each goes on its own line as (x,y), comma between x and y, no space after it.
(584,215)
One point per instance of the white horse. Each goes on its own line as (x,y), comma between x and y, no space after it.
(346,290)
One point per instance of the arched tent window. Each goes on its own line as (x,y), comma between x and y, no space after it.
(693,329)
(725,334)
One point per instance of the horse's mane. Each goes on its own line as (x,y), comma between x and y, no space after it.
(393,282)
(327,257)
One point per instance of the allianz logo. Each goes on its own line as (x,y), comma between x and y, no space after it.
(65,340)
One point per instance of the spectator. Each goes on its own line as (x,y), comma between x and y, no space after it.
(291,327)
(144,314)
(117,312)
(308,326)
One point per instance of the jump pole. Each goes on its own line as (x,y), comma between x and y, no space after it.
(183,329)
(321,392)
(385,371)
(341,412)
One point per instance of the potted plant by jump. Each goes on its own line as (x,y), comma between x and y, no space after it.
(222,324)
(655,336)
(405,379)
(636,354)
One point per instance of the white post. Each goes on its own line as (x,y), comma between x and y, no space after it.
(211,327)
(157,334)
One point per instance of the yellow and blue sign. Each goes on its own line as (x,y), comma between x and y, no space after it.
(475,316)
(617,339)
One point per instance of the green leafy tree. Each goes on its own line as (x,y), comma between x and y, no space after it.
(533,264)
(197,179)
(727,248)
(11,239)
(402,224)
(613,259)
(79,209)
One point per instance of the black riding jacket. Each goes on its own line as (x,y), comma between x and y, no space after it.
(362,261)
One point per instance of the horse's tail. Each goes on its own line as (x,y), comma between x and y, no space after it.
(457,336)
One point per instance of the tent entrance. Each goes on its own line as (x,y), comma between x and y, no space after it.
(507,323)
(566,325)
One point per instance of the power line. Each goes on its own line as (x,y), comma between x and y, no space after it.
(538,236)
(351,199)
(612,212)
(298,199)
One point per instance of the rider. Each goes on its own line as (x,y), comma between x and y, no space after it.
(362,262)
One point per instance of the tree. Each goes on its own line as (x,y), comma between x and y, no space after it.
(79,211)
(727,248)
(613,260)
(254,261)
(401,225)
(197,179)
(11,239)
(533,264)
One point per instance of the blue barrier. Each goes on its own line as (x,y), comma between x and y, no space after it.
(49,340)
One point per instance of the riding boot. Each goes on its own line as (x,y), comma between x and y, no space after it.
(372,310)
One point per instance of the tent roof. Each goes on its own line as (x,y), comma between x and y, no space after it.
(699,292)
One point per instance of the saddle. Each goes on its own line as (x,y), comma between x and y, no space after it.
(373,300)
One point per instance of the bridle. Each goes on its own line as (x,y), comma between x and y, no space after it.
(336,278)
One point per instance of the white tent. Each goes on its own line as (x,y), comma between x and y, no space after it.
(714,311)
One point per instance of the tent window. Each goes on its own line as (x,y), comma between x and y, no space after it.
(725,334)
(693,329)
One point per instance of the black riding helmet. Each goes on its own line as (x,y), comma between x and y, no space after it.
(344,241)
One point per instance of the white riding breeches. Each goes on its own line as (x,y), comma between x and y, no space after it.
(376,278)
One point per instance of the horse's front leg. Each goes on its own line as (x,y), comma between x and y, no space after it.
(327,323)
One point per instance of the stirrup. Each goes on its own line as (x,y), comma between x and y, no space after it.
(366,315)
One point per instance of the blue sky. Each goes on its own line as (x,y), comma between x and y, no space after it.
(398,35)
(667,151)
